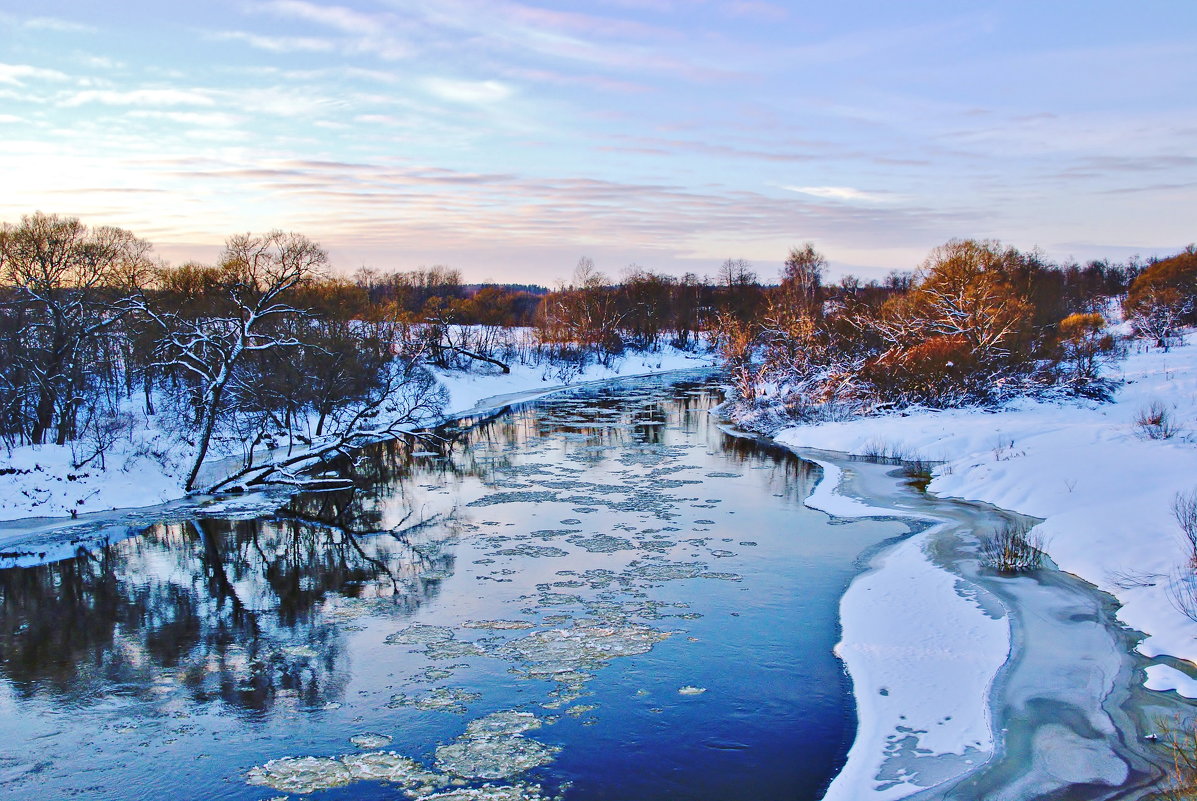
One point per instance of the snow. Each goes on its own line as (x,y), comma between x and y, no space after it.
(828,498)
(1104,491)
(931,682)
(1163,677)
(42,482)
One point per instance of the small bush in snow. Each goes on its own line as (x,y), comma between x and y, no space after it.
(1182,593)
(1012,548)
(1184,508)
(1156,422)
(1179,738)
(915,469)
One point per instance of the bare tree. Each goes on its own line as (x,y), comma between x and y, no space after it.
(403,393)
(1159,313)
(963,290)
(802,277)
(74,285)
(258,273)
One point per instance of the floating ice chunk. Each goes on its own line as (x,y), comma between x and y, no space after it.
(667,571)
(420,634)
(600,543)
(300,651)
(723,576)
(498,625)
(442,699)
(493,747)
(503,723)
(488,792)
(580,709)
(301,774)
(532,551)
(370,741)
(387,766)
(453,649)
(581,647)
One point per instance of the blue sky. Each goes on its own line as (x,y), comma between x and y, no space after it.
(509,137)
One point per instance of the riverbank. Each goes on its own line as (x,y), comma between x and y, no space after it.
(1104,490)
(970,684)
(41,481)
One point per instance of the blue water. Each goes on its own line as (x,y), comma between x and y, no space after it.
(173,662)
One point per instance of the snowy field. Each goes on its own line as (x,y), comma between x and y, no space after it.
(1104,489)
(39,481)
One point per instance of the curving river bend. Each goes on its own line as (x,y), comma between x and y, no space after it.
(602,595)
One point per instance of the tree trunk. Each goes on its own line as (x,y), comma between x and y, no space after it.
(45,415)
(205,436)
(148,390)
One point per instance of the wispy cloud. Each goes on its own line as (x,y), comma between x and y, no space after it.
(56,24)
(277,44)
(359,32)
(216,119)
(338,17)
(846,193)
(139,97)
(20,74)
(471,92)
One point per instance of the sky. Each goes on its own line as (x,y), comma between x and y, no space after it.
(508,138)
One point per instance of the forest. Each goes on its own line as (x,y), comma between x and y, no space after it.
(271,356)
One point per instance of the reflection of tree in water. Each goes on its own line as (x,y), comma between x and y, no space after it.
(244,612)
(486,447)
(248,612)
(792,477)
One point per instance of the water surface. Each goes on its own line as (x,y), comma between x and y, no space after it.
(651,589)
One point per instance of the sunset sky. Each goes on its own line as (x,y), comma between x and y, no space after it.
(508,139)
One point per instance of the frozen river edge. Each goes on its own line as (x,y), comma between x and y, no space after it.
(971,685)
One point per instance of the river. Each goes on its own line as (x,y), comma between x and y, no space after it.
(602,595)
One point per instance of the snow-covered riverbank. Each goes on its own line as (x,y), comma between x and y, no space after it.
(922,691)
(41,481)
(1104,490)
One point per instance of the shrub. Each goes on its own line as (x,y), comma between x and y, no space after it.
(1155,422)
(939,371)
(1177,273)
(1084,345)
(1182,593)
(1179,738)
(1184,508)
(1012,548)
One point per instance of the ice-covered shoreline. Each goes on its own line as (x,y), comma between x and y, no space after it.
(907,676)
(1104,491)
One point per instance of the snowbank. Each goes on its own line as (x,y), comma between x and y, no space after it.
(931,682)
(1103,487)
(41,481)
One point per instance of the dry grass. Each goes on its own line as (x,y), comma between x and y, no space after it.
(1156,422)
(1013,548)
(1179,739)
(915,469)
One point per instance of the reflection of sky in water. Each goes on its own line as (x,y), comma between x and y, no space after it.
(651,590)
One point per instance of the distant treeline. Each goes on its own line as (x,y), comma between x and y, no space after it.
(265,347)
